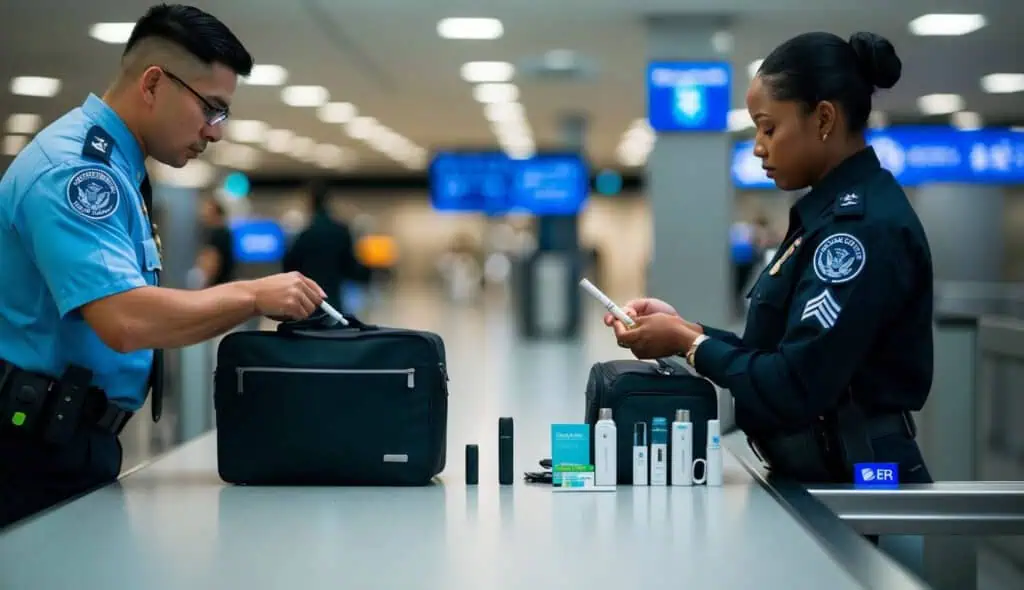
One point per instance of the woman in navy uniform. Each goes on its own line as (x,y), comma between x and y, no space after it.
(837,349)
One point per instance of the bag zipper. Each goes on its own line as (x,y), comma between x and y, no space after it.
(410,382)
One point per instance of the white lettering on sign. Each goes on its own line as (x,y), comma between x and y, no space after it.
(668,77)
(886,475)
(933,156)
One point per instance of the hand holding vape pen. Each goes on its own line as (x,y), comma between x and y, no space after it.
(329,310)
(607,303)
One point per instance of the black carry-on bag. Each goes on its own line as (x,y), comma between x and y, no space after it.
(319,403)
(638,391)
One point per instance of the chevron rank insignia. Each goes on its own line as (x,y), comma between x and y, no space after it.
(823,309)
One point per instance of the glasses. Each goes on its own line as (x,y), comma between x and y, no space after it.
(213,113)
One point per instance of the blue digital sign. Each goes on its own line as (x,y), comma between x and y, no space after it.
(688,96)
(921,155)
(257,241)
(493,183)
(876,475)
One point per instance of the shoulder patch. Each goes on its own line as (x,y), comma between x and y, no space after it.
(839,258)
(849,205)
(93,193)
(98,144)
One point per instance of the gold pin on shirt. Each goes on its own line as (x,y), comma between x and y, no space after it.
(789,252)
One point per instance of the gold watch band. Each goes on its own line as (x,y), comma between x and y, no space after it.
(692,352)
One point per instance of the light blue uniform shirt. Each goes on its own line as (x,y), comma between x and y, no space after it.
(73,230)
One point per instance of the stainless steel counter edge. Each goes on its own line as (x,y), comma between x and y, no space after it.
(869,566)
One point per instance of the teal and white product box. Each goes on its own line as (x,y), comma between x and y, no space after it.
(570,450)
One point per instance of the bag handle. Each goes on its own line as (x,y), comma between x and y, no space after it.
(322,321)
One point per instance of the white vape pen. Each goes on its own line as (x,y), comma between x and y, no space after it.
(713,466)
(682,449)
(659,452)
(640,454)
(607,303)
(606,470)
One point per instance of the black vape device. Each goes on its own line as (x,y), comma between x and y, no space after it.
(472,464)
(505,463)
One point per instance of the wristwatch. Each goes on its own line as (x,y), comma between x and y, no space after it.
(693,348)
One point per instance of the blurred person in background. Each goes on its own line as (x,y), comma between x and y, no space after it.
(215,264)
(325,251)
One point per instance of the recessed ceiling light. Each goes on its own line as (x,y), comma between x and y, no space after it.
(754,66)
(278,141)
(966,120)
(940,104)
(491,93)
(266,75)
(329,156)
(23,123)
(878,120)
(1003,83)
(305,96)
(487,71)
(503,111)
(245,131)
(113,33)
(13,144)
(361,127)
(722,41)
(301,148)
(470,28)
(559,59)
(337,112)
(946,24)
(35,86)
(739,119)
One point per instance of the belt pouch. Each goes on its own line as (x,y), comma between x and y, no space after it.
(68,399)
(22,400)
(853,438)
(800,456)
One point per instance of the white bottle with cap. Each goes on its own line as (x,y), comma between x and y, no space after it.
(681,448)
(606,470)
(714,454)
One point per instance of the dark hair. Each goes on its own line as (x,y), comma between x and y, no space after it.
(319,194)
(199,33)
(814,67)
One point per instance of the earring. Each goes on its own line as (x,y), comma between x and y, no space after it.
(824,137)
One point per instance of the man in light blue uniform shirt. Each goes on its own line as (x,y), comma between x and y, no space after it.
(81,311)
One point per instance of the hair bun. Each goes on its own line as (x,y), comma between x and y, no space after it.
(878,60)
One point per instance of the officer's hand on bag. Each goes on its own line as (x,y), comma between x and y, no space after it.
(287,296)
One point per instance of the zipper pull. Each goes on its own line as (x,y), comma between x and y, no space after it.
(444,372)
(412,379)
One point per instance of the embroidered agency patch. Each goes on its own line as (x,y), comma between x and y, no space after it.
(822,308)
(839,258)
(93,193)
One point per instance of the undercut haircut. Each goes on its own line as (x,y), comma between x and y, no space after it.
(178,32)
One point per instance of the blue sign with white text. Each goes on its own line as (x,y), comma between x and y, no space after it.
(257,241)
(876,475)
(921,155)
(493,183)
(688,96)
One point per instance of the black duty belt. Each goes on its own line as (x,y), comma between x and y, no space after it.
(793,452)
(96,411)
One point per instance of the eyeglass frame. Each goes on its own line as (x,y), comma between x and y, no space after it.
(215,115)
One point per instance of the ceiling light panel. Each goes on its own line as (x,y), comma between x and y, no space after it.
(493,93)
(337,112)
(487,71)
(946,24)
(113,33)
(1003,83)
(38,86)
(14,144)
(470,28)
(940,104)
(24,123)
(305,96)
(966,120)
(266,75)
(246,131)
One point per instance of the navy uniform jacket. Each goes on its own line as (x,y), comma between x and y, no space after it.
(73,230)
(846,305)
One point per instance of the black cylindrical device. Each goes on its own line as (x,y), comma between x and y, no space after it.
(472,465)
(505,462)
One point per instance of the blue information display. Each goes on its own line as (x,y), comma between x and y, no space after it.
(257,241)
(921,155)
(493,183)
(688,96)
